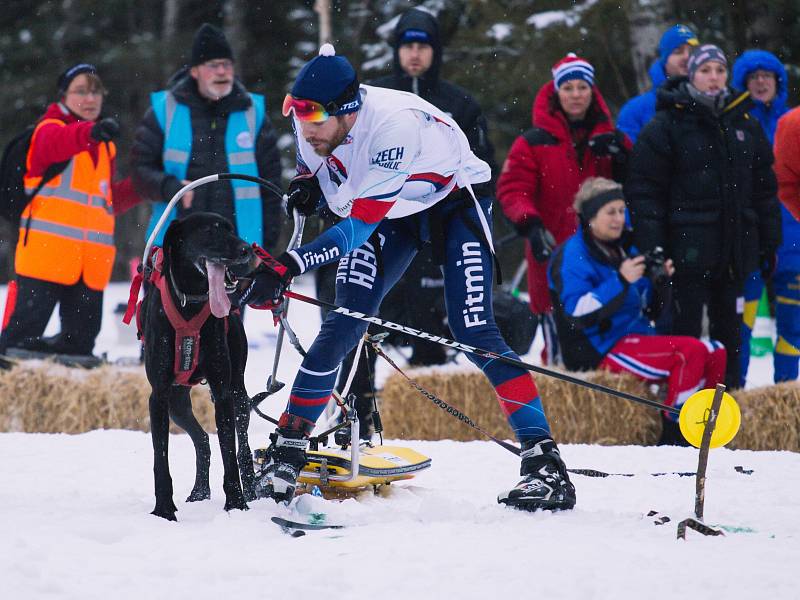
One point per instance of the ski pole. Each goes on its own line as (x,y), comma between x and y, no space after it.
(446,407)
(273,385)
(480,352)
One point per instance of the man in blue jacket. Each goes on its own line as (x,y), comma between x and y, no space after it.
(762,74)
(673,54)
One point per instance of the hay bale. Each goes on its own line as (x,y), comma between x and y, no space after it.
(770,418)
(43,397)
(770,415)
(576,414)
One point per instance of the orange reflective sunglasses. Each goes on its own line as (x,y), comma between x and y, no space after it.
(316,112)
(305,110)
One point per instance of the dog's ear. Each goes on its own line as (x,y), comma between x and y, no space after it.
(173,239)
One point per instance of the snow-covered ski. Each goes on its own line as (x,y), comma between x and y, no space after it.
(297,528)
(596,473)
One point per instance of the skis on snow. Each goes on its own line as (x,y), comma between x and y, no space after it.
(298,529)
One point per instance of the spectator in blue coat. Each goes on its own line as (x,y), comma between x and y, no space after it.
(605,297)
(762,74)
(673,55)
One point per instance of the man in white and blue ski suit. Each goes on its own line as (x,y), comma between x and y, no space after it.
(399,173)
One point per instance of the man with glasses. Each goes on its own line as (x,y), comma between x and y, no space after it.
(206,123)
(400,173)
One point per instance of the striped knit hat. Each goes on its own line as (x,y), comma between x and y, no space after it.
(703,54)
(572,67)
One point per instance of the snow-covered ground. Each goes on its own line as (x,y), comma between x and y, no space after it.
(75,523)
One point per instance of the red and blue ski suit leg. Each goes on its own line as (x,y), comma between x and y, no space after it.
(685,363)
(365,276)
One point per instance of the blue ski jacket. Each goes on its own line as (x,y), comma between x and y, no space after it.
(637,112)
(594,306)
(768,115)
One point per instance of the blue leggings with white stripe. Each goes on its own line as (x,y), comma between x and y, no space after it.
(364,277)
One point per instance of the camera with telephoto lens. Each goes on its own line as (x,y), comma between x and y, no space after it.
(654,267)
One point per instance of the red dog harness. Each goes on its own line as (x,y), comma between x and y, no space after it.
(187,333)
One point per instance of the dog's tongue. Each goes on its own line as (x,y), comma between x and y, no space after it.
(217,298)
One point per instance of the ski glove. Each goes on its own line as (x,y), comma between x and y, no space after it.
(542,241)
(104,130)
(304,195)
(270,279)
(609,144)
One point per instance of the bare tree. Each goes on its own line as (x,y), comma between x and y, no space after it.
(646,18)
(323,9)
(233,19)
(169,29)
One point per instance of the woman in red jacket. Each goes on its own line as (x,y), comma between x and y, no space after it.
(65,251)
(572,139)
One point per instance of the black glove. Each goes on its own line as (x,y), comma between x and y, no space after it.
(768,260)
(304,195)
(270,279)
(542,241)
(609,144)
(105,130)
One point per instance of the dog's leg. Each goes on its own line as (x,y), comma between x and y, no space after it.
(159,430)
(237,346)
(180,410)
(243,453)
(223,413)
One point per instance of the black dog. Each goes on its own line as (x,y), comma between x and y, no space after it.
(198,255)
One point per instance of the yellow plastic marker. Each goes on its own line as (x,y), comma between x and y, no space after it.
(694,414)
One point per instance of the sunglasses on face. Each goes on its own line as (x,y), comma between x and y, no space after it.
(316,112)
(306,110)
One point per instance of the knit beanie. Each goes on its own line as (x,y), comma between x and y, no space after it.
(673,38)
(591,206)
(703,54)
(328,78)
(209,43)
(572,67)
(71,73)
(409,36)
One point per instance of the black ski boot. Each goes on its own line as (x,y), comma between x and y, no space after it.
(545,484)
(276,476)
(671,433)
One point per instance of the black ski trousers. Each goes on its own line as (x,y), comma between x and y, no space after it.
(724,302)
(80,310)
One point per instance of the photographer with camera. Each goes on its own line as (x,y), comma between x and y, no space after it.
(605,296)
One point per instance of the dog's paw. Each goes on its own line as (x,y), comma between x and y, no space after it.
(198,494)
(164,513)
(236,504)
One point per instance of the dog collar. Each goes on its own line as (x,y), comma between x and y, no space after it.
(185,299)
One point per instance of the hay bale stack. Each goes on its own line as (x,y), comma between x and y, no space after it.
(576,414)
(770,418)
(43,397)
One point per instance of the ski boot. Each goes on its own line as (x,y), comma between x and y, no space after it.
(671,433)
(276,476)
(545,484)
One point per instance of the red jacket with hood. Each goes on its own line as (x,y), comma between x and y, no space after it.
(543,171)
